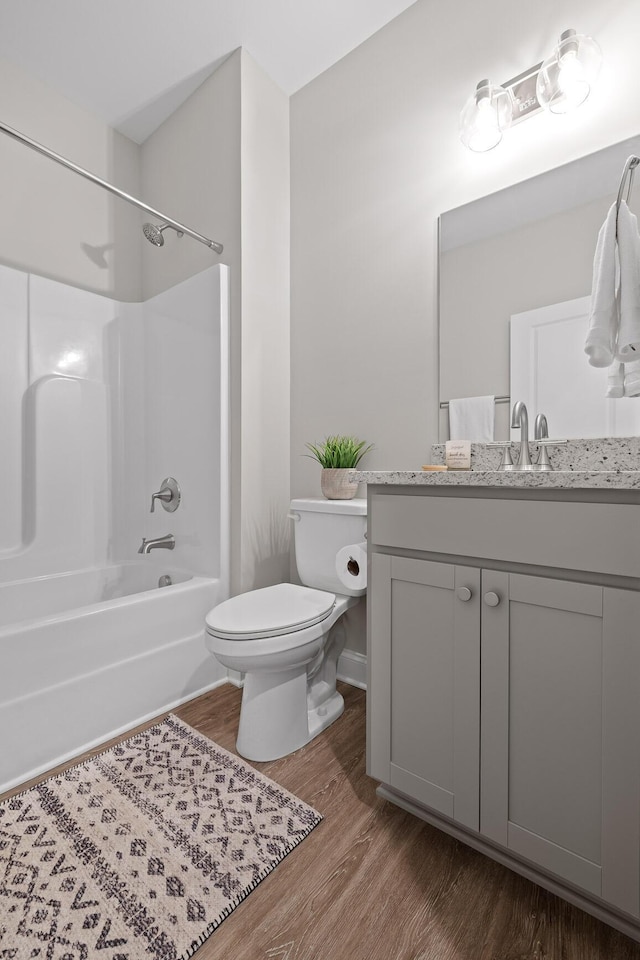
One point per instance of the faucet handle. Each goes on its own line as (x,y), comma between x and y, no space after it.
(505,445)
(168,494)
(544,463)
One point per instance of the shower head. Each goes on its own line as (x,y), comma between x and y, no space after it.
(154,233)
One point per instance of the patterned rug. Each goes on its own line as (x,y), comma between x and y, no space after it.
(141,852)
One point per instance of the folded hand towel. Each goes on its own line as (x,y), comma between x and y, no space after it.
(615,381)
(603,319)
(472,418)
(628,342)
(632,379)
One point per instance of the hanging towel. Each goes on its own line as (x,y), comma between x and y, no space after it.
(628,340)
(603,319)
(472,418)
(615,381)
(632,379)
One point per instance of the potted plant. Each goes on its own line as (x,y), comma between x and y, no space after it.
(337,456)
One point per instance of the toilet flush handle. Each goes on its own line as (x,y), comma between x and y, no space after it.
(294,516)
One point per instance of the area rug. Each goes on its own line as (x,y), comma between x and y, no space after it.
(140,852)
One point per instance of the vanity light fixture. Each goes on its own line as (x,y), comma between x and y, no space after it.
(560,83)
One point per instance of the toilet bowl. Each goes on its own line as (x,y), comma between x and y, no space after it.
(286,639)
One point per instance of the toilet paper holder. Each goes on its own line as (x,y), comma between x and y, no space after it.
(353,567)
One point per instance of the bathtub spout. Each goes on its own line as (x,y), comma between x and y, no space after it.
(160,543)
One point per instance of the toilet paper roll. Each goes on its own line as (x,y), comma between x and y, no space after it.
(351,567)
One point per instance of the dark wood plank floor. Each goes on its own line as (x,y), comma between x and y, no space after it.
(374,883)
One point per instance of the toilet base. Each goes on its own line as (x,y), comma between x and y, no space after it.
(273,714)
(278,716)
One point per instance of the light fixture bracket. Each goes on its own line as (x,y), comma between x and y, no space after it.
(522,92)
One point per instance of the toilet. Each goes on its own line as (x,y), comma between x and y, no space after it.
(286,639)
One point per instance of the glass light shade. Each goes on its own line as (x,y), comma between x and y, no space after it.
(485,116)
(566,77)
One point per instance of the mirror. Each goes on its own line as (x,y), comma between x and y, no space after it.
(524,248)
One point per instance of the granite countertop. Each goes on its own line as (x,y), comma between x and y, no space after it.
(602,463)
(552,480)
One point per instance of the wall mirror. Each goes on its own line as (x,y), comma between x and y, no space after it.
(513,254)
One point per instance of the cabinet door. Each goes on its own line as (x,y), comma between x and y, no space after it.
(560,694)
(425,683)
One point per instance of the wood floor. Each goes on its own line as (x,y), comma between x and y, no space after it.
(374,883)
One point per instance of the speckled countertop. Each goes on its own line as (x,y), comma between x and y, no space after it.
(554,480)
(602,463)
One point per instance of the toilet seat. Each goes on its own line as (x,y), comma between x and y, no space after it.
(269,612)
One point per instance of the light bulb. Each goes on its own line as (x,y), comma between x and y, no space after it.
(566,77)
(484,118)
(572,80)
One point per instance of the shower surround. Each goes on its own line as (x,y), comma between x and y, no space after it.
(102,400)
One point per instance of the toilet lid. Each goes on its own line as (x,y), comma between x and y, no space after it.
(283,608)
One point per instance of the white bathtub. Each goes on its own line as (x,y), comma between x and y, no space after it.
(87,655)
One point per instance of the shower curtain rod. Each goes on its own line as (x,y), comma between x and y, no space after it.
(39,148)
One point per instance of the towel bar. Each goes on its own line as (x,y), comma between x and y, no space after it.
(445,403)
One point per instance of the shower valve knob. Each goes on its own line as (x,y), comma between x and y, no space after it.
(168,495)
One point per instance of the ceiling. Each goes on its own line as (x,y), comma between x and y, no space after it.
(133,62)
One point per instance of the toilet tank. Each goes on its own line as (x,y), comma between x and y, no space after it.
(324,527)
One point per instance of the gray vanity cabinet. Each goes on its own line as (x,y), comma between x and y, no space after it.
(427,665)
(505,703)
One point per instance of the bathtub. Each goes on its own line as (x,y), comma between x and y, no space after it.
(85,656)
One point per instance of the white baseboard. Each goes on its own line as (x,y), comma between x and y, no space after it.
(352,668)
(235,677)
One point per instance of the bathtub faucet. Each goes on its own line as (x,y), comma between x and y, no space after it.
(160,543)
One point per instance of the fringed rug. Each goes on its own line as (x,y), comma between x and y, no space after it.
(141,852)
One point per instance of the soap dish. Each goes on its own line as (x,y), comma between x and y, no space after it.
(434,466)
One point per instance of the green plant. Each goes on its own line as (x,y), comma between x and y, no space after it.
(338,452)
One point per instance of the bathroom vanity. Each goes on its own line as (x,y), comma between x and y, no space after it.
(504,670)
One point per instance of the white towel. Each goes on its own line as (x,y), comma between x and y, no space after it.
(628,340)
(632,379)
(472,418)
(615,381)
(603,319)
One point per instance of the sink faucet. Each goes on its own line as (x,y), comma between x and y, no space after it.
(520,418)
(160,543)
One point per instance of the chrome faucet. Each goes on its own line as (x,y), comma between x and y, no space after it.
(541,429)
(520,418)
(159,543)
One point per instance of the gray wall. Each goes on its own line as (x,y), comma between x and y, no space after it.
(57,224)
(375,158)
(265,375)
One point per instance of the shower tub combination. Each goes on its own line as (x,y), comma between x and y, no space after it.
(109,399)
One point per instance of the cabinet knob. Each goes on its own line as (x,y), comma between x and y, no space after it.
(463,593)
(491,599)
